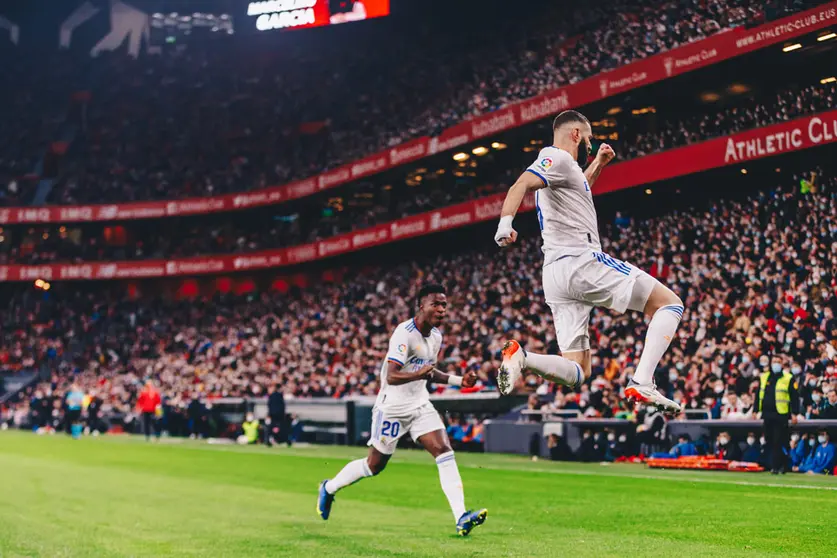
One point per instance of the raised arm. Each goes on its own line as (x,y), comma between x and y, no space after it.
(594,169)
(528,182)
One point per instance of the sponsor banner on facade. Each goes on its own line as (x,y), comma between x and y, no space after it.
(769,141)
(778,139)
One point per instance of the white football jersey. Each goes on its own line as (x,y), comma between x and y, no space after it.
(409,348)
(565,209)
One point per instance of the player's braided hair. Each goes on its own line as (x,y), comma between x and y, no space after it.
(428,289)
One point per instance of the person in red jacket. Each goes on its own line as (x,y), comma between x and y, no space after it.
(148,404)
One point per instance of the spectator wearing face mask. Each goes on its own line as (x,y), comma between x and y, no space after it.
(745,405)
(712,392)
(817,405)
(249,430)
(725,448)
(799,450)
(684,447)
(822,460)
(614,447)
(829,411)
(777,403)
(752,451)
(764,364)
(734,408)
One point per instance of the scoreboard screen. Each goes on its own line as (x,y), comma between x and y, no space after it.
(269,15)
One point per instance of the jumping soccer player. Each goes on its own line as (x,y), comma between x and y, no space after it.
(403,405)
(577,275)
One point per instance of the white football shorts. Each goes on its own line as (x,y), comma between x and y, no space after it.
(574,285)
(389,424)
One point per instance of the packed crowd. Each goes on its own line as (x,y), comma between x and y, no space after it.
(757,277)
(752,112)
(245,234)
(215,119)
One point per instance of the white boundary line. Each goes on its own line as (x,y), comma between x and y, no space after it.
(517,467)
(594,473)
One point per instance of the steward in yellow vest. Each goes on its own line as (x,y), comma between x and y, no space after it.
(777,402)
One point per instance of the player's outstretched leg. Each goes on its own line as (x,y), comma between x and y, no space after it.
(666,310)
(354,471)
(437,444)
(551,367)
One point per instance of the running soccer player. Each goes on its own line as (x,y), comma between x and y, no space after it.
(403,406)
(577,275)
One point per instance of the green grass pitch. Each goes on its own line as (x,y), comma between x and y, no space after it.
(122,497)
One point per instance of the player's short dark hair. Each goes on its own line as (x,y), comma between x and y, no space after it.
(569,117)
(428,289)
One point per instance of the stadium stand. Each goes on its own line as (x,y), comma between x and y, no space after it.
(757,277)
(155,141)
(241,234)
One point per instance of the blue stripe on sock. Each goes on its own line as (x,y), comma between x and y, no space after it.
(445,459)
(580,375)
(675,308)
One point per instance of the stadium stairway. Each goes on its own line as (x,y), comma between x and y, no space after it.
(11,386)
(47,165)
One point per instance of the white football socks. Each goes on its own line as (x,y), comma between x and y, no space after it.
(350,474)
(661,331)
(555,369)
(451,483)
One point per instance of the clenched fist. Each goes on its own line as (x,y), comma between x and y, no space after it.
(505,233)
(605,154)
(469,379)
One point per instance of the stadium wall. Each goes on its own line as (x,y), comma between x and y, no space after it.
(505,436)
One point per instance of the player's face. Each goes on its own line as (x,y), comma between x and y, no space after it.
(585,144)
(435,307)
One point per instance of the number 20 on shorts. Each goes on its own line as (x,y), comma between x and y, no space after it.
(390,428)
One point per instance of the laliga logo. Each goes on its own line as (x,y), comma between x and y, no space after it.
(603,87)
(435,221)
(238,263)
(668,62)
(4,273)
(171,268)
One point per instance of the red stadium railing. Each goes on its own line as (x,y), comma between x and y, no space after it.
(785,137)
(712,50)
